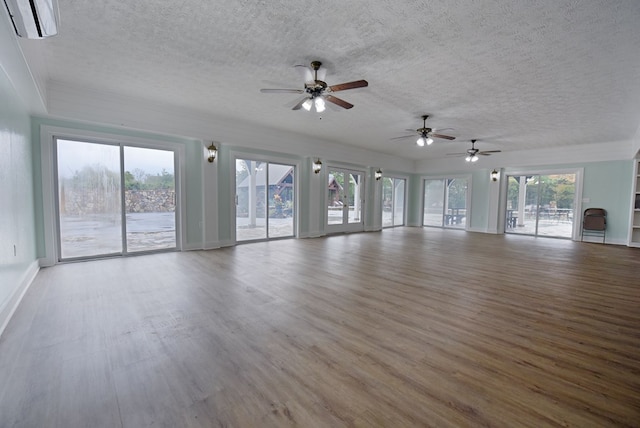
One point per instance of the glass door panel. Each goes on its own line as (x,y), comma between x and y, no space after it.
(281,200)
(456,203)
(398,202)
(556,205)
(149,195)
(89,201)
(353,200)
(434,197)
(387,201)
(393,201)
(336,205)
(251,199)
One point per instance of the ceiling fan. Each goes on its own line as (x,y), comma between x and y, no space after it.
(317,91)
(426,135)
(472,153)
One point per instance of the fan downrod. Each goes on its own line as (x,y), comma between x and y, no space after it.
(424,130)
(318,86)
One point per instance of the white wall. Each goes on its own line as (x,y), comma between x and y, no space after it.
(18,263)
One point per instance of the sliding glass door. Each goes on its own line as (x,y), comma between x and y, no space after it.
(393,198)
(445,202)
(264,199)
(113,199)
(541,205)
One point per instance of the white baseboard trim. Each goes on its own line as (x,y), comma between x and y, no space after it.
(595,240)
(211,245)
(14,301)
(477,230)
(312,234)
(191,247)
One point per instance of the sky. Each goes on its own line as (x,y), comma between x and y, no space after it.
(74,155)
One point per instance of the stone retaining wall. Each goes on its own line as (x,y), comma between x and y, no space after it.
(137,201)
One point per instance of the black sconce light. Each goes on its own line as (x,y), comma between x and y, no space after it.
(213,152)
(317,166)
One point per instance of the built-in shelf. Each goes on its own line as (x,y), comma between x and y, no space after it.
(634,223)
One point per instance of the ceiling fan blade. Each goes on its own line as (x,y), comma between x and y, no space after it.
(338,101)
(488,152)
(457,154)
(446,137)
(305,73)
(349,85)
(404,136)
(299,105)
(282,91)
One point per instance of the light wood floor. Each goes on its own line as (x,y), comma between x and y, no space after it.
(407,327)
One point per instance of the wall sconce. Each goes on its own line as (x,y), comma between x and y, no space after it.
(494,175)
(317,166)
(213,152)
(378,174)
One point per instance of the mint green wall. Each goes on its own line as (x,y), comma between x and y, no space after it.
(608,185)
(225,193)
(479,199)
(193,173)
(304,202)
(16,192)
(414,204)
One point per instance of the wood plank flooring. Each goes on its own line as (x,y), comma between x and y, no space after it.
(409,327)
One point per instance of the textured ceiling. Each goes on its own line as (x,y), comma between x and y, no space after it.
(514,75)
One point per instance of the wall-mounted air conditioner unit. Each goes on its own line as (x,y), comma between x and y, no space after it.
(34,19)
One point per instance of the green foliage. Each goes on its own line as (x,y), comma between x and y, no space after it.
(457,193)
(139,180)
(545,190)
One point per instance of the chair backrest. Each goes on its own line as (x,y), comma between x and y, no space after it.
(594,219)
(595,212)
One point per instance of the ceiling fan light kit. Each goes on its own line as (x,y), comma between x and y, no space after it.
(317,103)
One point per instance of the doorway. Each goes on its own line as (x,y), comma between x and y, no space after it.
(264,200)
(541,205)
(345,190)
(113,199)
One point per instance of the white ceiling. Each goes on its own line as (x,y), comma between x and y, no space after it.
(514,75)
